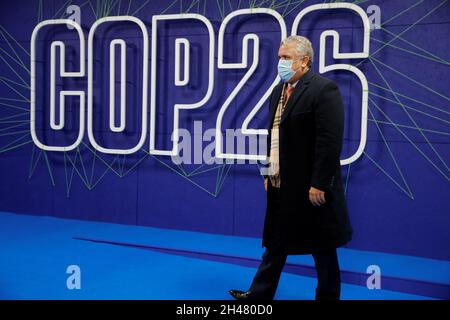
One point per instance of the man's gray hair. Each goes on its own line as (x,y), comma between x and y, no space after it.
(302,45)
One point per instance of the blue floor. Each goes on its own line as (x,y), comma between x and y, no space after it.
(37,250)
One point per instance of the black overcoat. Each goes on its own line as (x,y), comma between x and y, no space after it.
(311,137)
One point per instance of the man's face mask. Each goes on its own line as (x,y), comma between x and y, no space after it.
(285,69)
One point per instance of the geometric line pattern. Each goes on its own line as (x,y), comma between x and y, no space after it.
(14,57)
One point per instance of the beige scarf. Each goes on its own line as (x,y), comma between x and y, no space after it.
(274,159)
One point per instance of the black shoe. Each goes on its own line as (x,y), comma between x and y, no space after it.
(241,295)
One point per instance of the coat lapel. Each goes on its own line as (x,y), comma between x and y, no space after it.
(301,86)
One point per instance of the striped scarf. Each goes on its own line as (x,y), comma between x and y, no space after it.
(274,159)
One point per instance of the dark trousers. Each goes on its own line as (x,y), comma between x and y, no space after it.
(266,280)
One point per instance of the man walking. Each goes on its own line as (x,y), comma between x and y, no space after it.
(306,208)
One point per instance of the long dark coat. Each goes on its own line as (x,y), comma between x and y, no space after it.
(311,133)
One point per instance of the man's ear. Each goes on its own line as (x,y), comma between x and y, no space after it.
(305,63)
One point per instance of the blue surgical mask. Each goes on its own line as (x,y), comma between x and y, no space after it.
(285,69)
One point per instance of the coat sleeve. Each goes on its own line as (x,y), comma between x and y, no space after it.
(329,127)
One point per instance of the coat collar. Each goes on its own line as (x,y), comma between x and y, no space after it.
(300,87)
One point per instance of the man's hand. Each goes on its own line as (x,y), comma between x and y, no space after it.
(266,181)
(316,196)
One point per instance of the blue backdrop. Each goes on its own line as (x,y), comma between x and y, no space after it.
(397,191)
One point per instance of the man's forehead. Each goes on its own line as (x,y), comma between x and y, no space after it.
(286,46)
(286,49)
